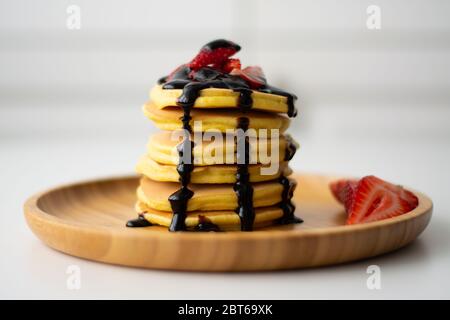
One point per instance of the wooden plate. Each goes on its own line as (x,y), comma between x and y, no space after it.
(88,220)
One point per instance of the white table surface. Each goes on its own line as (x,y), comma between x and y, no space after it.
(29,269)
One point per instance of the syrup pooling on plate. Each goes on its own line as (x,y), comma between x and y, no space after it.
(139,222)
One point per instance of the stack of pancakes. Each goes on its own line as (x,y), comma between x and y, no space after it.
(221,161)
(214,201)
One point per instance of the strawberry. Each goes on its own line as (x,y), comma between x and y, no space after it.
(372,199)
(253,75)
(343,190)
(231,64)
(214,53)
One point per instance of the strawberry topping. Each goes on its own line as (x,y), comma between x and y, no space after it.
(372,199)
(231,64)
(214,62)
(253,75)
(214,53)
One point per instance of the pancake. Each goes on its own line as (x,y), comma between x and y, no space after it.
(213,120)
(206,197)
(162,148)
(213,98)
(225,220)
(205,174)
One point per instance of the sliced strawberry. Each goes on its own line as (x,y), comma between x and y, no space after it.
(231,64)
(376,199)
(404,194)
(214,53)
(372,199)
(344,190)
(253,75)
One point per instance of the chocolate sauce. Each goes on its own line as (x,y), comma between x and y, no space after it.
(243,188)
(291,147)
(179,199)
(162,80)
(286,203)
(139,222)
(205,225)
(221,43)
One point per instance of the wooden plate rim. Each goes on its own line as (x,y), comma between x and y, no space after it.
(33,211)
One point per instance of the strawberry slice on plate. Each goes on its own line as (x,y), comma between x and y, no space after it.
(372,199)
(343,191)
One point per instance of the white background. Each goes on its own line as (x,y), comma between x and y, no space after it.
(371,102)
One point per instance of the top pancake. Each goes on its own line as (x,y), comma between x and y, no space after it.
(213,98)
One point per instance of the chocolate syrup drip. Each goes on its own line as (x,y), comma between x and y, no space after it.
(179,199)
(205,225)
(186,119)
(286,204)
(139,222)
(162,80)
(243,188)
(291,148)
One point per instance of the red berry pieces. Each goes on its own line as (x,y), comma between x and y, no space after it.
(213,54)
(343,191)
(372,199)
(253,75)
(231,64)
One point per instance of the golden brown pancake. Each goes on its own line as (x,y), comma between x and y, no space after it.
(225,220)
(206,174)
(213,120)
(162,148)
(207,197)
(213,98)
